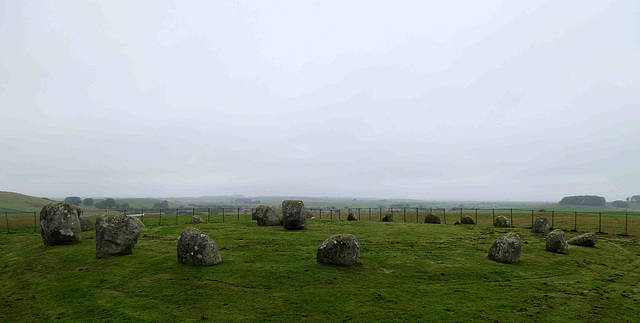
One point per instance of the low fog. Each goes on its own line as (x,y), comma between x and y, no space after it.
(458,100)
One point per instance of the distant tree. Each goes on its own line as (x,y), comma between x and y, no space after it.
(110,203)
(88,201)
(621,204)
(74,200)
(123,206)
(100,204)
(162,205)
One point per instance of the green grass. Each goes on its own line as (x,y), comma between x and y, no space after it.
(16,201)
(408,272)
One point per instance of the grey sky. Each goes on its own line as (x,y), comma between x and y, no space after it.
(466,100)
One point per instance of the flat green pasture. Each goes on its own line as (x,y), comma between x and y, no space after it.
(408,272)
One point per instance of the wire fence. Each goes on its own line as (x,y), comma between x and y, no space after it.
(604,222)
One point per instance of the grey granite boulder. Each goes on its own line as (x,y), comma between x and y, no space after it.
(506,249)
(557,242)
(502,222)
(432,218)
(197,249)
(468,220)
(293,216)
(196,219)
(352,217)
(541,225)
(387,217)
(341,250)
(85,223)
(586,240)
(116,235)
(308,214)
(268,215)
(59,224)
(138,221)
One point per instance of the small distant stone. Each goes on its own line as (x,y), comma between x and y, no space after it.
(432,218)
(116,235)
(541,225)
(387,217)
(59,224)
(196,219)
(85,223)
(506,249)
(456,223)
(557,242)
(308,214)
(352,217)
(137,221)
(195,248)
(267,215)
(586,240)
(502,222)
(341,250)
(468,220)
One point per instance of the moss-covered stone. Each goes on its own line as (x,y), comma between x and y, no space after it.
(59,224)
(541,225)
(468,220)
(557,242)
(116,235)
(506,249)
(293,217)
(341,250)
(197,249)
(502,222)
(432,218)
(586,240)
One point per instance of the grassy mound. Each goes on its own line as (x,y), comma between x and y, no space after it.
(408,272)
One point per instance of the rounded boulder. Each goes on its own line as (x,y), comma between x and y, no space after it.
(387,218)
(196,219)
(432,218)
(502,222)
(268,216)
(468,220)
(197,249)
(541,225)
(586,240)
(557,242)
(59,224)
(352,217)
(116,235)
(506,249)
(85,223)
(341,250)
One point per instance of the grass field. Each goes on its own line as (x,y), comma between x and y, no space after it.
(408,272)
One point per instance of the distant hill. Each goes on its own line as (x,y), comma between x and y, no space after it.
(586,200)
(20,202)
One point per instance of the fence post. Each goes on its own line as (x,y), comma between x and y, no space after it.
(160,223)
(176,216)
(124,211)
(575,221)
(444,214)
(369,214)
(222,215)
(404,212)
(238,214)
(532,218)
(331,215)
(6,217)
(209,214)
(320,213)
(380,214)
(358,214)
(34,221)
(511,211)
(417,216)
(476,215)
(553,215)
(193,212)
(339,211)
(626,220)
(600,222)
(460,215)
(493,216)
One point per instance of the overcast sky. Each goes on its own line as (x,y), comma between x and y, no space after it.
(457,100)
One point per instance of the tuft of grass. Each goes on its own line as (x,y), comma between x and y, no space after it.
(407,272)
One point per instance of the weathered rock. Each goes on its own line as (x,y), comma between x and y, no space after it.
(468,220)
(341,249)
(308,214)
(138,222)
(557,242)
(506,249)
(432,218)
(197,249)
(541,225)
(387,217)
(502,222)
(268,216)
(586,240)
(258,211)
(293,216)
(352,217)
(196,219)
(116,235)
(59,224)
(85,223)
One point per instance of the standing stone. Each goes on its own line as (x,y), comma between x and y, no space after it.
(557,242)
(586,240)
(196,219)
(352,217)
(502,222)
(197,249)
(308,214)
(468,220)
(506,249)
(432,218)
(341,250)
(59,224)
(137,220)
(540,226)
(85,223)
(268,215)
(292,215)
(387,217)
(116,235)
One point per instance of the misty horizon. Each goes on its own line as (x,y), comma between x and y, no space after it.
(470,101)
